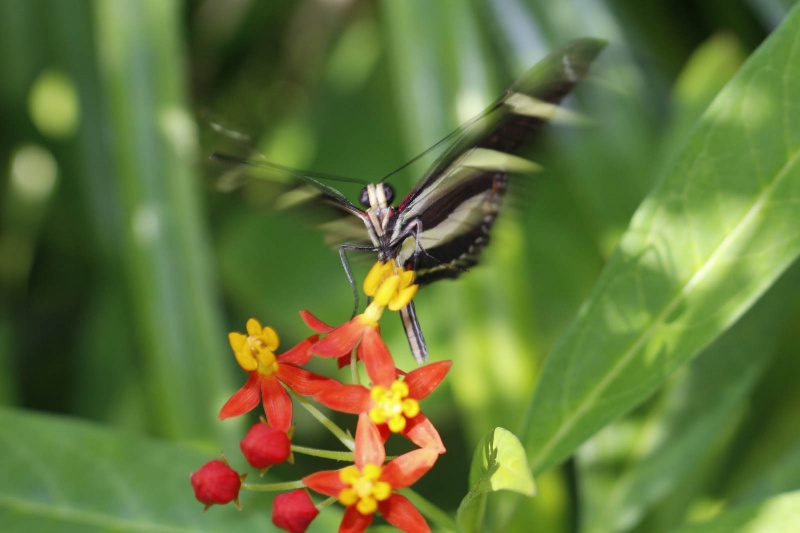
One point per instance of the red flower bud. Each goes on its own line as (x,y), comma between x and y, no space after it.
(216,482)
(264,446)
(293,511)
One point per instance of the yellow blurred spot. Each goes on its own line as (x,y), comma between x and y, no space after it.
(146,223)
(180,131)
(53,104)
(355,56)
(33,173)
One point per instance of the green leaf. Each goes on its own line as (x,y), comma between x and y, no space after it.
(714,235)
(67,475)
(499,463)
(777,514)
(688,429)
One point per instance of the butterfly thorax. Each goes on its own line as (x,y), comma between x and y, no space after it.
(380,216)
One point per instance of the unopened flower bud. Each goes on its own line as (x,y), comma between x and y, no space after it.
(216,483)
(293,511)
(264,446)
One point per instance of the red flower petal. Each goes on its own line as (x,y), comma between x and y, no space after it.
(402,514)
(354,522)
(369,446)
(377,360)
(421,431)
(326,482)
(344,360)
(277,404)
(293,511)
(405,470)
(423,380)
(353,399)
(315,323)
(341,340)
(300,354)
(385,432)
(243,400)
(304,382)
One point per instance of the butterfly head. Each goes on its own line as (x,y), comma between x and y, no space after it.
(377,196)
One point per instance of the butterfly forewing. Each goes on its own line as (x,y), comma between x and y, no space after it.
(456,203)
(283,188)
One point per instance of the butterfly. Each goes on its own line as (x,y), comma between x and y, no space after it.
(441,226)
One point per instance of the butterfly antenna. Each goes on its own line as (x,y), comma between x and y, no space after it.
(237,135)
(295,172)
(459,130)
(256,159)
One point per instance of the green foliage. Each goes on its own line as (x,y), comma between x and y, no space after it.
(711,238)
(61,474)
(633,322)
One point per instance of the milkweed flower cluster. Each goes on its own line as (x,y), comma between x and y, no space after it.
(389,404)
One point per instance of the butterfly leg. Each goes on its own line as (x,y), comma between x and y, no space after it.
(419,349)
(416,341)
(349,271)
(414,229)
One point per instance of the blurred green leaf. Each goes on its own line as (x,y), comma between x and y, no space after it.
(708,69)
(775,515)
(779,475)
(714,235)
(167,259)
(68,475)
(690,426)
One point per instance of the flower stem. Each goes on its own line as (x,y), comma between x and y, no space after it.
(345,439)
(437,516)
(274,487)
(354,377)
(325,454)
(327,503)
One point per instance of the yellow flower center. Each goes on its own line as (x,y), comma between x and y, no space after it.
(390,286)
(364,488)
(255,351)
(393,406)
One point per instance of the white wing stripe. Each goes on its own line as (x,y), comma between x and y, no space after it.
(495,161)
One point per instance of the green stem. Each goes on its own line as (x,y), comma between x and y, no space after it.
(345,439)
(443,520)
(354,377)
(326,503)
(325,454)
(274,487)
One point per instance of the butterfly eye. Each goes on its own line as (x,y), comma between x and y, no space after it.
(364,197)
(389,193)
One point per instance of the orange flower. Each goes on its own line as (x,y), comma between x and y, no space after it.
(255,354)
(389,286)
(358,333)
(393,405)
(369,486)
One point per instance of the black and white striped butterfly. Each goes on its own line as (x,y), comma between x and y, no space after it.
(440,227)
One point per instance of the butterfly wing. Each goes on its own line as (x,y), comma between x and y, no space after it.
(453,207)
(338,219)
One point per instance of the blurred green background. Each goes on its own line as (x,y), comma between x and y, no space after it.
(122,267)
